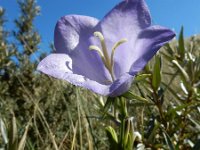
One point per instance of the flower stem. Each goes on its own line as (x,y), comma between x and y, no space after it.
(123,127)
(125,138)
(123,108)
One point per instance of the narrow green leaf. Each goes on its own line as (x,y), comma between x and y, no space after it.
(178,108)
(167,57)
(13,136)
(171,90)
(129,95)
(169,49)
(183,72)
(23,139)
(131,137)
(141,77)
(168,141)
(156,77)
(181,47)
(107,105)
(154,126)
(195,122)
(130,142)
(127,131)
(3,131)
(140,104)
(112,137)
(197,145)
(100,101)
(147,68)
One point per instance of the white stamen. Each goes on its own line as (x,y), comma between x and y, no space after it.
(114,48)
(108,62)
(103,45)
(96,48)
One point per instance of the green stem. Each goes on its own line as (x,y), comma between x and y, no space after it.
(123,107)
(125,139)
(122,135)
(124,115)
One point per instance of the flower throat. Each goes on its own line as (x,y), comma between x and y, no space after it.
(103,52)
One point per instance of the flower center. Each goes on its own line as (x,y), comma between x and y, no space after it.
(103,52)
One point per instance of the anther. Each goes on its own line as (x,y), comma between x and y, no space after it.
(99,35)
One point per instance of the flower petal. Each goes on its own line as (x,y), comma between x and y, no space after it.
(72,37)
(56,65)
(59,66)
(69,29)
(126,20)
(148,43)
(121,85)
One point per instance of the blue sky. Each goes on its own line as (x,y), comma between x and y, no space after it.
(168,13)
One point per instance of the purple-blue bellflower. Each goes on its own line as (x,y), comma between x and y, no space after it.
(105,55)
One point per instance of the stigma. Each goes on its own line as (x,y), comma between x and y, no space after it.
(103,52)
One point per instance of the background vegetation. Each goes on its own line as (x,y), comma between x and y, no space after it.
(39,112)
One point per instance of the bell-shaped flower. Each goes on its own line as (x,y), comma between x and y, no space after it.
(104,56)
